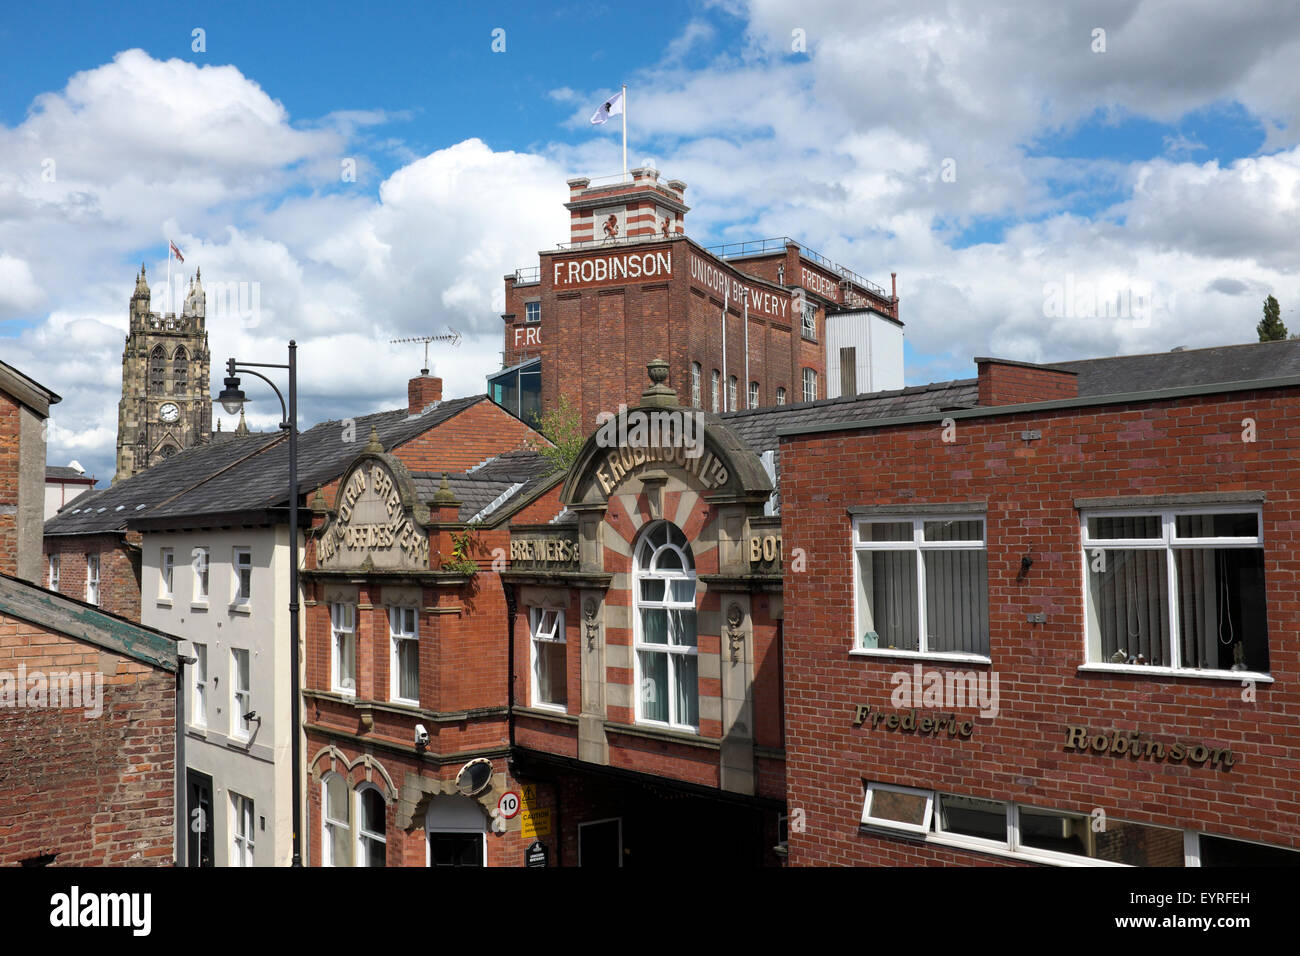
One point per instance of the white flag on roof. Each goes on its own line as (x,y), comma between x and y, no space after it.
(611,107)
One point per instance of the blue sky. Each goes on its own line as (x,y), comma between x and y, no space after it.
(985,152)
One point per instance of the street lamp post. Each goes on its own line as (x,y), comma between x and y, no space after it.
(232,399)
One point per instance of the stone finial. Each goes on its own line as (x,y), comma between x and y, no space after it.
(243,425)
(141,284)
(317,503)
(444,495)
(659,392)
(374,446)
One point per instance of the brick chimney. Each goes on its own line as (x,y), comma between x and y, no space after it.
(422,391)
(1004,382)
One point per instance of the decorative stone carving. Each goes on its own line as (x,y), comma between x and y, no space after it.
(735,634)
(589,621)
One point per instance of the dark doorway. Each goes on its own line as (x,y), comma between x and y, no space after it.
(600,843)
(199,816)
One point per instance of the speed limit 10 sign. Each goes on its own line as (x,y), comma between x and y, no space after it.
(508,804)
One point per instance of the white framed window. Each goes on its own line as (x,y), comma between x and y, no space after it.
(532,311)
(731,394)
(343,655)
(696,375)
(810,385)
(166,572)
(241,693)
(897,808)
(336,828)
(92,579)
(550,675)
(456,832)
(780,395)
(405,669)
(241,824)
(921,585)
(202,559)
(808,327)
(372,849)
(753,395)
(243,570)
(1178,590)
(667,664)
(715,385)
(54,572)
(199,678)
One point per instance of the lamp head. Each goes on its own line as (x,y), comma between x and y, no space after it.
(232,397)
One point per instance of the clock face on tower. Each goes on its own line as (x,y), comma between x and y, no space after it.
(168,412)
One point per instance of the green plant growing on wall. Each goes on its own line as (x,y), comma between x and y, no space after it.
(462,543)
(563,426)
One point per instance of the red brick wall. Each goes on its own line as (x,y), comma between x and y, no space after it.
(1011,383)
(466,439)
(9,427)
(119,569)
(597,340)
(96,792)
(1185,446)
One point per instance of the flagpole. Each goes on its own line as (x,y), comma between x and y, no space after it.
(167,299)
(625,131)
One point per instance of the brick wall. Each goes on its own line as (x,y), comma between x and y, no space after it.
(1192,445)
(1011,383)
(93,792)
(119,569)
(9,437)
(596,340)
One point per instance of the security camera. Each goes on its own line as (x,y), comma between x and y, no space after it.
(421,736)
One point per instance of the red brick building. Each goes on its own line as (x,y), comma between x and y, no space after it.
(630,286)
(87,698)
(1057,627)
(89,754)
(407,727)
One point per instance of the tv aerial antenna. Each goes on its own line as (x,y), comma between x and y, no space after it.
(451,337)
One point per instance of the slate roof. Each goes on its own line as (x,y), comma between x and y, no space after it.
(757,427)
(478,488)
(323,455)
(108,509)
(244,472)
(62,472)
(84,622)
(1226,363)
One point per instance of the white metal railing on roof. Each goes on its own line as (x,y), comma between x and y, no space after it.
(758,247)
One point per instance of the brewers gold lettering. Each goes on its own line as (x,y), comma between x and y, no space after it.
(544,550)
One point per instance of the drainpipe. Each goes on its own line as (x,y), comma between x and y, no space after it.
(182,804)
(510,664)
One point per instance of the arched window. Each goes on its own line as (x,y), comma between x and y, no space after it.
(667,666)
(371,840)
(809,385)
(157,370)
(457,832)
(780,395)
(753,395)
(336,828)
(180,371)
(696,372)
(717,385)
(731,394)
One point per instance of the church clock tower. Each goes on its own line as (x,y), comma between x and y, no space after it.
(166,405)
